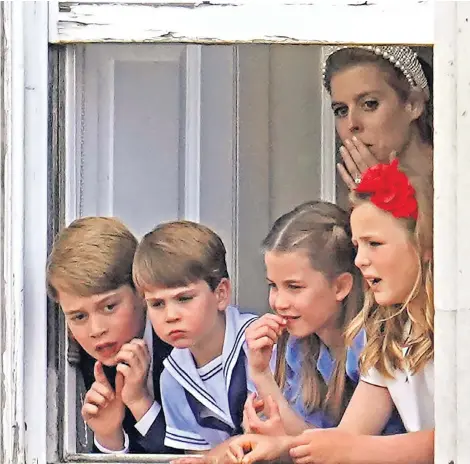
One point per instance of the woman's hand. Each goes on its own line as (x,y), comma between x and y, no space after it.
(357,158)
(261,336)
(272,425)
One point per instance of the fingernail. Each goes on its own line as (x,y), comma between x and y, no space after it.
(348,142)
(354,138)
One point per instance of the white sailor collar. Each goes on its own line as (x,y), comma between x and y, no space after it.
(180,363)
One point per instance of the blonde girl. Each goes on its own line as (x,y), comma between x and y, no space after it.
(392,229)
(315,291)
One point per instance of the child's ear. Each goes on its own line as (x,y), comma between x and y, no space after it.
(427,256)
(223,293)
(343,285)
(415,105)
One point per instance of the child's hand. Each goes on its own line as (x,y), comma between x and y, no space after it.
(133,363)
(272,425)
(247,449)
(321,446)
(261,336)
(103,410)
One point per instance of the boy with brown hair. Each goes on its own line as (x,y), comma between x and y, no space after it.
(89,274)
(180,269)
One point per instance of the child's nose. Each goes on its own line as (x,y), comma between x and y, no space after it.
(361,259)
(280,302)
(172,312)
(97,329)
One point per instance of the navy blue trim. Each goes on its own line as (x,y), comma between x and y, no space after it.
(211,373)
(236,345)
(185,439)
(183,374)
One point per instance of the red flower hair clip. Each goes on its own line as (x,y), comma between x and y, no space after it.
(390,189)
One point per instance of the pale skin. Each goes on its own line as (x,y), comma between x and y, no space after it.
(191,317)
(380,239)
(115,318)
(261,337)
(374,124)
(305,302)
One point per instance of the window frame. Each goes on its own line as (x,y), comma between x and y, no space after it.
(29,161)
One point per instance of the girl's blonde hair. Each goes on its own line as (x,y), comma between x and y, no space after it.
(320,230)
(385,326)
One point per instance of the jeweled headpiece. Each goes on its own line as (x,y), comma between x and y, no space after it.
(402,57)
(390,190)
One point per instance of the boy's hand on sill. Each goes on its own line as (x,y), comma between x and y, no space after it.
(133,361)
(103,410)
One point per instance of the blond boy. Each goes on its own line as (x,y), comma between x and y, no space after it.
(89,274)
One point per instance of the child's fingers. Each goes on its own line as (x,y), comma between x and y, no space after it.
(100,377)
(304,460)
(271,408)
(119,385)
(245,423)
(263,331)
(255,402)
(143,350)
(253,456)
(95,397)
(131,358)
(299,452)
(258,404)
(261,344)
(125,370)
(235,452)
(275,321)
(135,354)
(89,411)
(105,390)
(253,420)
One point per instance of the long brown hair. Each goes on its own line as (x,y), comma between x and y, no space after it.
(384,325)
(321,230)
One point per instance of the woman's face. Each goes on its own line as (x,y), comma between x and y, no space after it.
(366,106)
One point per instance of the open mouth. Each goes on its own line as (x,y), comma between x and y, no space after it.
(374,282)
(107,349)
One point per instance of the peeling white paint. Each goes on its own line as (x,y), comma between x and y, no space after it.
(12,320)
(24,231)
(237,21)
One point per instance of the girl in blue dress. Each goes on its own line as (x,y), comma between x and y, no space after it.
(315,291)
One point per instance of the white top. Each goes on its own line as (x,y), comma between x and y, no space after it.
(144,424)
(213,377)
(208,386)
(413,395)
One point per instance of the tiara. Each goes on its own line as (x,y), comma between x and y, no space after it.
(390,190)
(403,58)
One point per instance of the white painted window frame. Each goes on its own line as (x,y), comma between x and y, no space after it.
(26,436)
